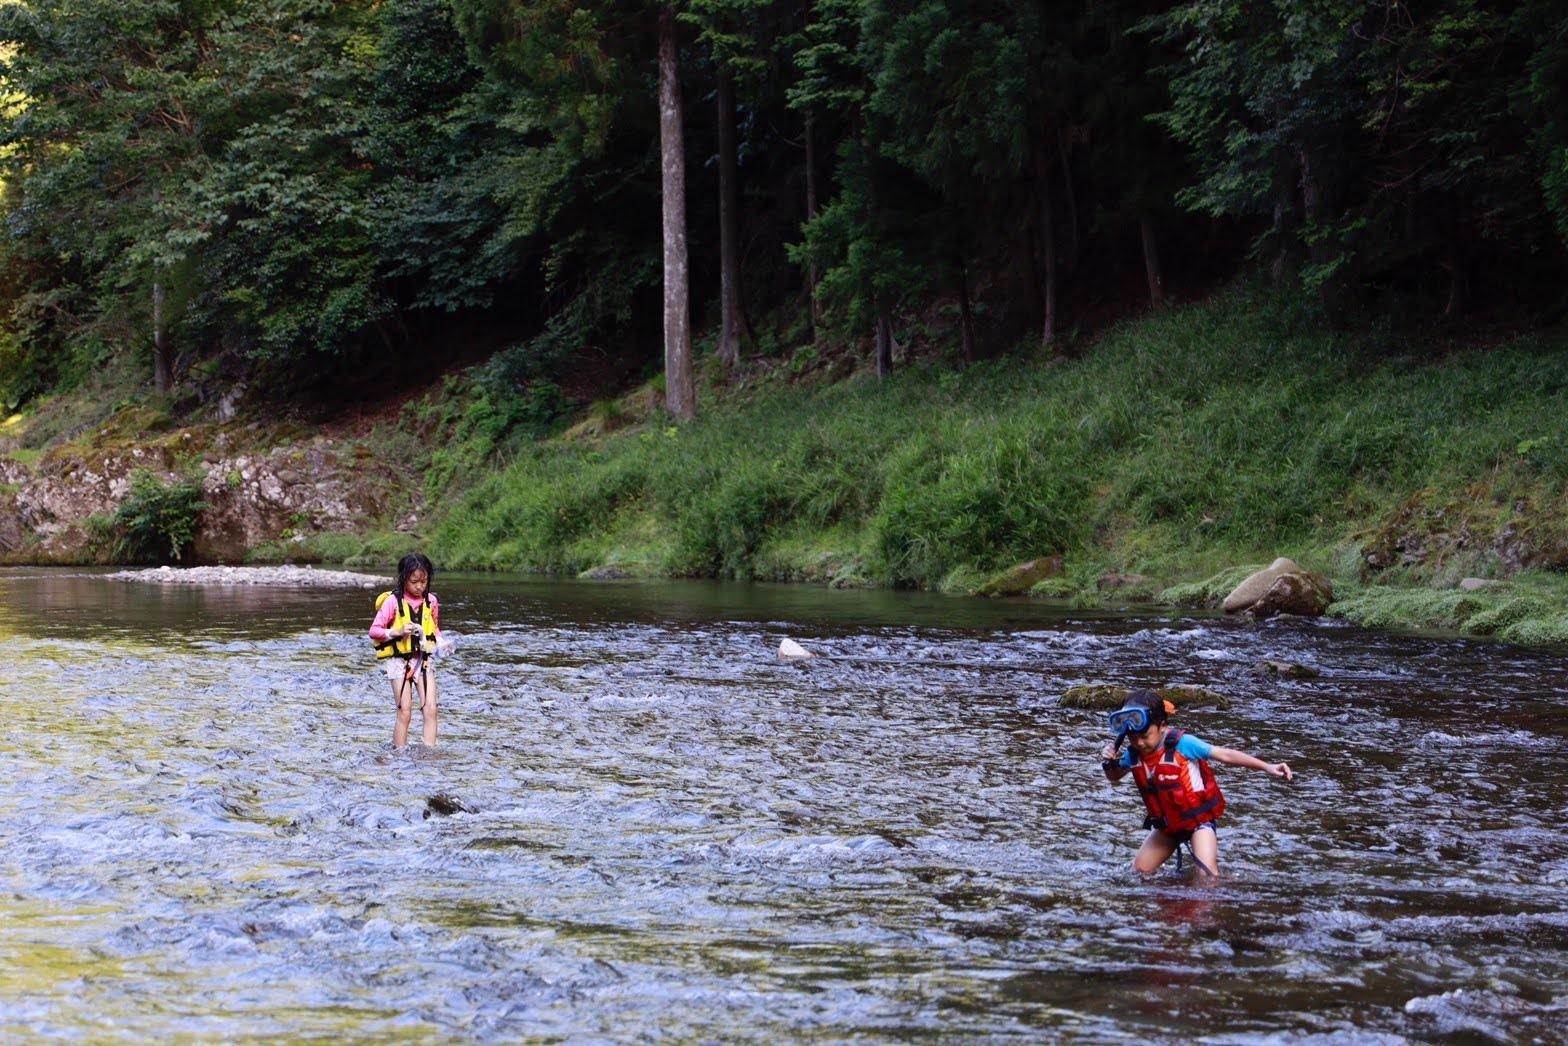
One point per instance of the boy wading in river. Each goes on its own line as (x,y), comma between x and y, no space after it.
(1171,769)
(406,631)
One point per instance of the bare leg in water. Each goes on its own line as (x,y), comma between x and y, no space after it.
(1158,847)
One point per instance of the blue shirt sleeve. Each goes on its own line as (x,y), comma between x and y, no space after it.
(1188,745)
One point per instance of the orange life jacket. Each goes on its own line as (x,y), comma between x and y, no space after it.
(1180,793)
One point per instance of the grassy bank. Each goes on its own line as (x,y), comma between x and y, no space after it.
(1174,447)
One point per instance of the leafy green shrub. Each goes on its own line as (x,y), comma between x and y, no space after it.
(156,521)
(997,497)
(1513,612)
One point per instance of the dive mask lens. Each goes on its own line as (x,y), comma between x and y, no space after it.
(1129,721)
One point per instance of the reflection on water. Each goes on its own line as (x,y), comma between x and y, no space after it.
(641,823)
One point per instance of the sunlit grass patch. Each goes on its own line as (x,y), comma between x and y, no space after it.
(1532,608)
(1197,444)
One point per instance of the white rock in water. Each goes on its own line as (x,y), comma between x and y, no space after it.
(790,648)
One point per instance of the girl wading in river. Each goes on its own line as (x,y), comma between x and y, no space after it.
(407,631)
(1171,769)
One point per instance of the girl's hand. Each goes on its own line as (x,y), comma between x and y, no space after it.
(1108,752)
(1280,770)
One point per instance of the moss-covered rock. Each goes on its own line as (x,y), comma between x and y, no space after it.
(1109,696)
(1095,695)
(1054,588)
(1208,593)
(1018,580)
(1190,695)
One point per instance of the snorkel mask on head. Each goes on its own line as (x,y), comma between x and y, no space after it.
(1131,720)
(1140,710)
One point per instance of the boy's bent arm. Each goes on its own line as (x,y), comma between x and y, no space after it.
(1236,757)
(1114,770)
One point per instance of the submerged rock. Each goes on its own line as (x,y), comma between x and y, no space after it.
(443,805)
(788,648)
(1284,669)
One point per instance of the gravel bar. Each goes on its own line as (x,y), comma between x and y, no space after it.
(308,577)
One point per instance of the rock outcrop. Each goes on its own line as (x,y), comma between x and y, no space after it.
(253,496)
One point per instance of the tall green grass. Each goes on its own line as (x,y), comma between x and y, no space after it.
(1177,444)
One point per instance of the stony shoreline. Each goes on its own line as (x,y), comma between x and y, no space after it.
(277,576)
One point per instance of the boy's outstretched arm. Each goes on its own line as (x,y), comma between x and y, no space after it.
(1235,757)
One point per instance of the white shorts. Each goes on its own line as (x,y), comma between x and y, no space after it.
(396,668)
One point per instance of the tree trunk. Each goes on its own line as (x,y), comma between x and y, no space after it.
(734,328)
(813,272)
(1042,177)
(1314,205)
(1028,248)
(680,393)
(1458,274)
(1071,199)
(884,341)
(1311,204)
(1284,224)
(966,315)
(1151,263)
(162,355)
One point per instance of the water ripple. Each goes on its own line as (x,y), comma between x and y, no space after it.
(641,824)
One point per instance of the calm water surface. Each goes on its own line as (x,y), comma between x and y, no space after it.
(641,825)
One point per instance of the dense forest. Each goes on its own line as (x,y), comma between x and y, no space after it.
(304,188)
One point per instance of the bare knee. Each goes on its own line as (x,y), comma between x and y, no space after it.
(1155,851)
(1206,852)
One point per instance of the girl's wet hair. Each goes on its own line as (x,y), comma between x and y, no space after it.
(1159,708)
(412,562)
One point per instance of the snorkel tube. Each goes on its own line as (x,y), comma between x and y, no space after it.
(1122,723)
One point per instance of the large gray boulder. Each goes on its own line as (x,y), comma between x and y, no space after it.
(1283,587)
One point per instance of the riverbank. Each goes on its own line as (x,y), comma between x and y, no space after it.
(1197,444)
(1160,465)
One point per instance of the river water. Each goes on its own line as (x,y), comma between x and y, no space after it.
(640,824)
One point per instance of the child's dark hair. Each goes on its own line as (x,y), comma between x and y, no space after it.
(412,562)
(1158,708)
